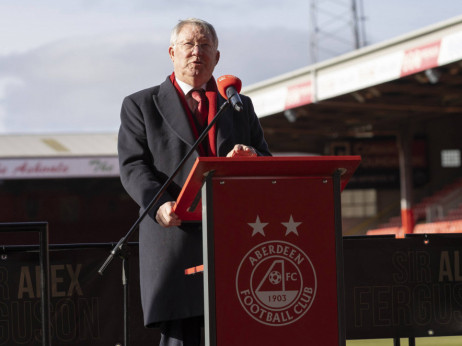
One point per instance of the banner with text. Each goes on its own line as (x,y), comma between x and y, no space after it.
(86,308)
(408,287)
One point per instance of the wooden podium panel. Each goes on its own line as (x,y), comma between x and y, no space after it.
(274,262)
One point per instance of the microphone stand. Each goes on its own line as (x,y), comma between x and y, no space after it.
(121,250)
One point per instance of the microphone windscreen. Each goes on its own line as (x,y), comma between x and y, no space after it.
(224,82)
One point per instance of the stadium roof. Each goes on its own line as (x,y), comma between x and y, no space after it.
(372,91)
(58,145)
(52,156)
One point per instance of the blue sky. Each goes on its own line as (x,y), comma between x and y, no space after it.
(65,66)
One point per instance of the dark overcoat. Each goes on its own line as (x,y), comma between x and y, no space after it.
(153,138)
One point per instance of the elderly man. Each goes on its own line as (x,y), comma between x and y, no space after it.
(158,127)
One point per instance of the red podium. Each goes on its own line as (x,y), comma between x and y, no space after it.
(272,241)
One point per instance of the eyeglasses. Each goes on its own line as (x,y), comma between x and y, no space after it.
(189,46)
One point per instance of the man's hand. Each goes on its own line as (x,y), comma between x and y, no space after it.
(166,217)
(241,150)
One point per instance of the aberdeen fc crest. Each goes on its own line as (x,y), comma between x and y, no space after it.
(276,281)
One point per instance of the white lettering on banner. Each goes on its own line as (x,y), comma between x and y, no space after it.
(299,95)
(420,58)
(276,283)
(58,168)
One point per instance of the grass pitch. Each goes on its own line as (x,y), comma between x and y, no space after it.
(430,341)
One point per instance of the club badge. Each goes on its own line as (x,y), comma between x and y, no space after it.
(276,283)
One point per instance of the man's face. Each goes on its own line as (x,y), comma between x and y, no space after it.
(194,55)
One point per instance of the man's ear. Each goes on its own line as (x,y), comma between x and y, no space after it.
(217,57)
(171,52)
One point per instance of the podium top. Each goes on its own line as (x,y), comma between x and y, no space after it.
(263,167)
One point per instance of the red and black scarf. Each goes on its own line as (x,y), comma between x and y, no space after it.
(208,148)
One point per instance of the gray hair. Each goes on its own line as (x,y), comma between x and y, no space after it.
(207,27)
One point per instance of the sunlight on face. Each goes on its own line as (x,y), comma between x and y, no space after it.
(194,55)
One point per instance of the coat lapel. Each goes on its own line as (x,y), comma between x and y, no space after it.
(171,110)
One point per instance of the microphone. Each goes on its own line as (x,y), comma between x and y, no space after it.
(229,87)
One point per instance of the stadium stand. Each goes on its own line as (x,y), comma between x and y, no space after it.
(438,213)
